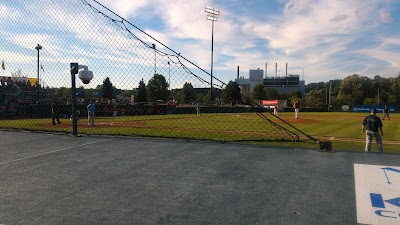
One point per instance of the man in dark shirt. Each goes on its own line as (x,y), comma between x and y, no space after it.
(372,124)
(386,112)
(55,114)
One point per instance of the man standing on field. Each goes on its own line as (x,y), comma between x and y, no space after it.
(198,109)
(296,106)
(91,108)
(386,112)
(55,114)
(373,125)
(276,110)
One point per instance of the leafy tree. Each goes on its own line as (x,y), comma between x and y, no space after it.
(141,92)
(315,99)
(271,93)
(107,89)
(231,93)
(64,93)
(258,92)
(370,101)
(128,93)
(206,99)
(245,92)
(178,96)
(335,87)
(90,93)
(157,88)
(82,92)
(117,91)
(293,95)
(315,86)
(352,89)
(394,96)
(381,89)
(200,98)
(187,93)
(175,94)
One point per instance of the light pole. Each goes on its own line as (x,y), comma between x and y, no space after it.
(378,96)
(329,96)
(38,48)
(212,14)
(155,59)
(169,76)
(86,76)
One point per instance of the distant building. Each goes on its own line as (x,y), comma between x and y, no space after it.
(244,84)
(283,85)
(256,77)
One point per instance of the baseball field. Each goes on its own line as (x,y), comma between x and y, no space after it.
(343,129)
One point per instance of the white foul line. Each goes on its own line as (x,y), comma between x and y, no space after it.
(32,156)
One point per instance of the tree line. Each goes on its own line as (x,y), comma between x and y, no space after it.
(352,90)
(156,89)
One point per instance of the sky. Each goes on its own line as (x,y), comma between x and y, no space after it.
(321,40)
(328,39)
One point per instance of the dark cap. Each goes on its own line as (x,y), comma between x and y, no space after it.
(373,110)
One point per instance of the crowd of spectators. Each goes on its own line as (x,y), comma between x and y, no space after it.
(19,97)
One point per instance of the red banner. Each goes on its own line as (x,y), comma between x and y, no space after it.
(269,102)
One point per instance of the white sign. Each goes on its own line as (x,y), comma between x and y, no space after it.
(377,194)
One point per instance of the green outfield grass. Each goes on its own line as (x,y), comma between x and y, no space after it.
(343,129)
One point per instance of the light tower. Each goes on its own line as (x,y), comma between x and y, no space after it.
(38,48)
(212,14)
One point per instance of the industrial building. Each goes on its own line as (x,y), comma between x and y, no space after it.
(287,84)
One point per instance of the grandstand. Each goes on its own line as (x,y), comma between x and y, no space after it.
(18,96)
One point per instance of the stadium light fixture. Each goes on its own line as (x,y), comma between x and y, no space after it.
(38,48)
(212,14)
(86,76)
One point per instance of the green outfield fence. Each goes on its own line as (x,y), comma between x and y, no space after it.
(141,86)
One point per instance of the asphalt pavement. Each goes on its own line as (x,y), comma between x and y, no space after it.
(59,179)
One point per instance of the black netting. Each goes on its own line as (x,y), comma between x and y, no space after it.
(154,91)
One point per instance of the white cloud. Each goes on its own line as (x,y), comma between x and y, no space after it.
(384,52)
(385,16)
(184,19)
(313,33)
(322,36)
(125,8)
(8,12)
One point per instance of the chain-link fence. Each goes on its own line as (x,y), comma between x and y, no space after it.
(141,87)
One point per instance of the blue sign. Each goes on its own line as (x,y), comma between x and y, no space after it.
(368,108)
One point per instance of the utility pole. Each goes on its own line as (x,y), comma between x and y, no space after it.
(329,96)
(378,96)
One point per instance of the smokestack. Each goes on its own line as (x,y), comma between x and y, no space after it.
(266,70)
(286,76)
(276,69)
(286,70)
(238,73)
